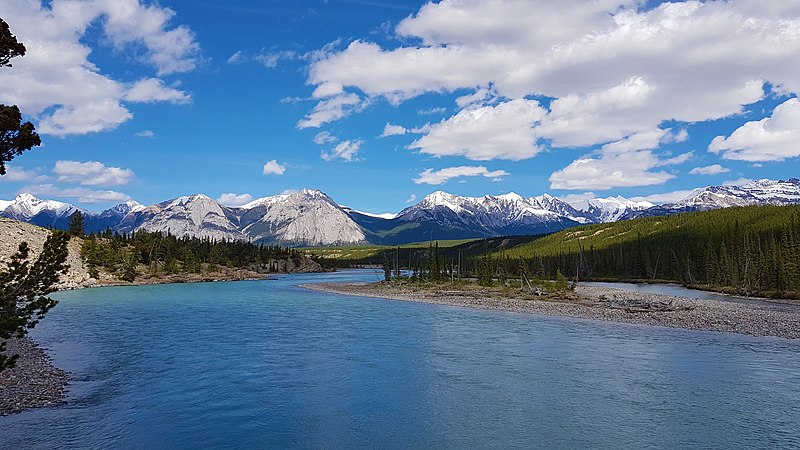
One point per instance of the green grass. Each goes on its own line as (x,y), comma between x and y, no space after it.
(360,252)
(694,226)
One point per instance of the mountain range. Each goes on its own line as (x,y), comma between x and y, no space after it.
(311,218)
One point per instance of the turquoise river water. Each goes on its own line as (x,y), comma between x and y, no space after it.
(267,364)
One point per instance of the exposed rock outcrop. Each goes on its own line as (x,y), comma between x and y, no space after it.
(13,232)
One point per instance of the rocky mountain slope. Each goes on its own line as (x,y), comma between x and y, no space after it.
(759,192)
(307,217)
(13,232)
(311,218)
(194,215)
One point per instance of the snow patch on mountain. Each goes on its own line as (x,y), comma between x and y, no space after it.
(611,209)
(193,215)
(306,217)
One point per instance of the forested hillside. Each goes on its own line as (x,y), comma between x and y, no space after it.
(153,253)
(753,250)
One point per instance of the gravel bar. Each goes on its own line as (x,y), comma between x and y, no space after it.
(33,383)
(597,303)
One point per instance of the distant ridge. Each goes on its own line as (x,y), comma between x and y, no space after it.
(311,218)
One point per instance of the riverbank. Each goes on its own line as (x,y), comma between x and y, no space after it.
(34,382)
(597,303)
(233,275)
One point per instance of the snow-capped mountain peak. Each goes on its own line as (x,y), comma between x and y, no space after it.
(305,217)
(447,200)
(562,208)
(511,197)
(610,209)
(26,205)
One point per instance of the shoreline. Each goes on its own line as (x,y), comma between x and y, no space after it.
(34,382)
(600,303)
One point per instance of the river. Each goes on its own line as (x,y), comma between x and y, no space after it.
(267,364)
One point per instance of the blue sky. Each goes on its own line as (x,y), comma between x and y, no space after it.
(379,103)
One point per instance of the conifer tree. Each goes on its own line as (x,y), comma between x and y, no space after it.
(77,224)
(16,136)
(24,289)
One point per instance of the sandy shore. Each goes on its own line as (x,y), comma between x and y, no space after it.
(33,383)
(600,303)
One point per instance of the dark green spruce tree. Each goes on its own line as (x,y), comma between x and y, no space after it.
(16,136)
(77,224)
(24,289)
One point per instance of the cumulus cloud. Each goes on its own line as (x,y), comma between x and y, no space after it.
(610,69)
(490,132)
(574,198)
(713,169)
(773,138)
(393,130)
(737,182)
(91,173)
(412,198)
(625,163)
(231,199)
(83,195)
(429,176)
(273,168)
(152,90)
(332,109)
(666,197)
(16,174)
(67,93)
(345,150)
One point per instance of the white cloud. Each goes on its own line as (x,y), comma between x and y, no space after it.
(345,150)
(146,134)
(432,111)
(151,90)
(713,169)
(479,97)
(130,23)
(612,68)
(86,118)
(324,137)
(490,132)
(236,58)
(91,173)
(412,198)
(273,168)
(270,60)
(666,197)
(625,163)
(610,171)
(770,139)
(16,174)
(429,176)
(83,195)
(573,198)
(332,109)
(737,182)
(326,90)
(680,159)
(393,130)
(231,199)
(55,81)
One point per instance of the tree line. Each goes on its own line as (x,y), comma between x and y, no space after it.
(752,250)
(160,253)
